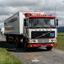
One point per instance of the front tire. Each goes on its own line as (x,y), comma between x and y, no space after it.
(49,48)
(25,42)
(9,39)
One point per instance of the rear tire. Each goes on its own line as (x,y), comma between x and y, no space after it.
(17,42)
(49,48)
(25,42)
(9,39)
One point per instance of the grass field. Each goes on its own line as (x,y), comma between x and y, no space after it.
(60,41)
(7,58)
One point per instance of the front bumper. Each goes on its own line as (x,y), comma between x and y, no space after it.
(50,40)
(35,45)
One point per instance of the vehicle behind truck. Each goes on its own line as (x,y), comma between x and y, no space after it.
(31,29)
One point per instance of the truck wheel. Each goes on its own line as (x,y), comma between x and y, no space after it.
(17,42)
(25,42)
(49,48)
(7,40)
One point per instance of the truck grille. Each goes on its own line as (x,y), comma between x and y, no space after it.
(42,34)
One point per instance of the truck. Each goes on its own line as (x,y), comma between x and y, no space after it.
(31,29)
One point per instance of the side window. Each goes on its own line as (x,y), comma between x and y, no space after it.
(56,22)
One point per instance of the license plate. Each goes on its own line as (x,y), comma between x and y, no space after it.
(43,41)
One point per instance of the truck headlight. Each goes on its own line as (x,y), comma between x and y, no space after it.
(33,41)
(52,40)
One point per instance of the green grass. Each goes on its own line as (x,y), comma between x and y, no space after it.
(60,41)
(7,58)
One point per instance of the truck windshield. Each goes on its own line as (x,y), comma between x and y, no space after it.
(40,22)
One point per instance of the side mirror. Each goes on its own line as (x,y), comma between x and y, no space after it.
(25,24)
(56,22)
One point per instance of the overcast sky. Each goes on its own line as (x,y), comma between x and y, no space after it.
(9,7)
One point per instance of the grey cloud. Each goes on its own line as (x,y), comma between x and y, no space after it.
(4,11)
(41,5)
(50,5)
(12,10)
(18,2)
(3,17)
(8,7)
